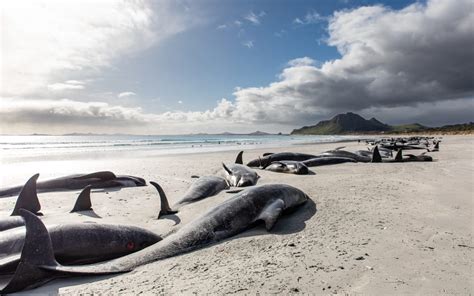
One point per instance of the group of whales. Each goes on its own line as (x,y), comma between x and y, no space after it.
(38,253)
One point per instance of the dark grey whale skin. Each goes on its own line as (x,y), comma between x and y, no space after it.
(203,187)
(288,167)
(240,212)
(79,243)
(79,181)
(266,160)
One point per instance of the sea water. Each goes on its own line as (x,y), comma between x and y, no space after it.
(31,147)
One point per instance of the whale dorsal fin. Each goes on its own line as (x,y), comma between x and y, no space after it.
(105,175)
(37,252)
(271,212)
(226,169)
(376,155)
(239,159)
(165,206)
(83,201)
(399,156)
(28,199)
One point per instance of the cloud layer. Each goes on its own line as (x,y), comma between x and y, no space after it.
(418,61)
(80,37)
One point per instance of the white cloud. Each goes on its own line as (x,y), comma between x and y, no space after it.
(238,23)
(248,44)
(394,63)
(180,102)
(254,18)
(67,85)
(45,41)
(126,94)
(222,27)
(310,18)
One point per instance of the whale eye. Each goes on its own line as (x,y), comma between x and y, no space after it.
(130,246)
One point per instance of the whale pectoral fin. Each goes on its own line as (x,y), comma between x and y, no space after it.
(37,251)
(339,148)
(226,169)
(267,154)
(83,201)
(271,212)
(234,190)
(105,175)
(28,199)
(239,159)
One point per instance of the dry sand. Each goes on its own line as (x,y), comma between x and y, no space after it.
(372,228)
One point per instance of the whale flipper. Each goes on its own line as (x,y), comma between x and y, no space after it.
(226,169)
(83,201)
(271,213)
(28,199)
(376,155)
(165,206)
(267,154)
(105,175)
(239,158)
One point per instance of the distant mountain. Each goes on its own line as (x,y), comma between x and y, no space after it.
(348,123)
(351,123)
(257,133)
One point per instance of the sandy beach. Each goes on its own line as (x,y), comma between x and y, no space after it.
(390,228)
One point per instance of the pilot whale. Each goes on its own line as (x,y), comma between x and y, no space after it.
(79,243)
(260,203)
(103,179)
(240,175)
(203,187)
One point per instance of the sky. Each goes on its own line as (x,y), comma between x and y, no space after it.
(178,67)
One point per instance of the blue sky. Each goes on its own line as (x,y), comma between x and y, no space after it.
(203,65)
(174,67)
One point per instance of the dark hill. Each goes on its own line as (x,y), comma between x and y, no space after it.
(348,123)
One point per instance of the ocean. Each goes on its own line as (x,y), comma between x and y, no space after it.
(27,148)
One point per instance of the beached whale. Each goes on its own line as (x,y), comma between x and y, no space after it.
(28,200)
(261,203)
(79,243)
(399,157)
(320,161)
(271,157)
(103,179)
(203,187)
(238,174)
(288,167)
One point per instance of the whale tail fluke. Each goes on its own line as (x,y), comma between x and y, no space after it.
(239,159)
(165,206)
(83,201)
(28,198)
(376,155)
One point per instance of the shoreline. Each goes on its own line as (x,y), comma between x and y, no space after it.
(373,229)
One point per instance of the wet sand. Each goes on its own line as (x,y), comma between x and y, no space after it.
(394,228)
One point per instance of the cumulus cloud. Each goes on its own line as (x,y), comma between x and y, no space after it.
(126,94)
(413,64)
(80,37)
(390,58)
